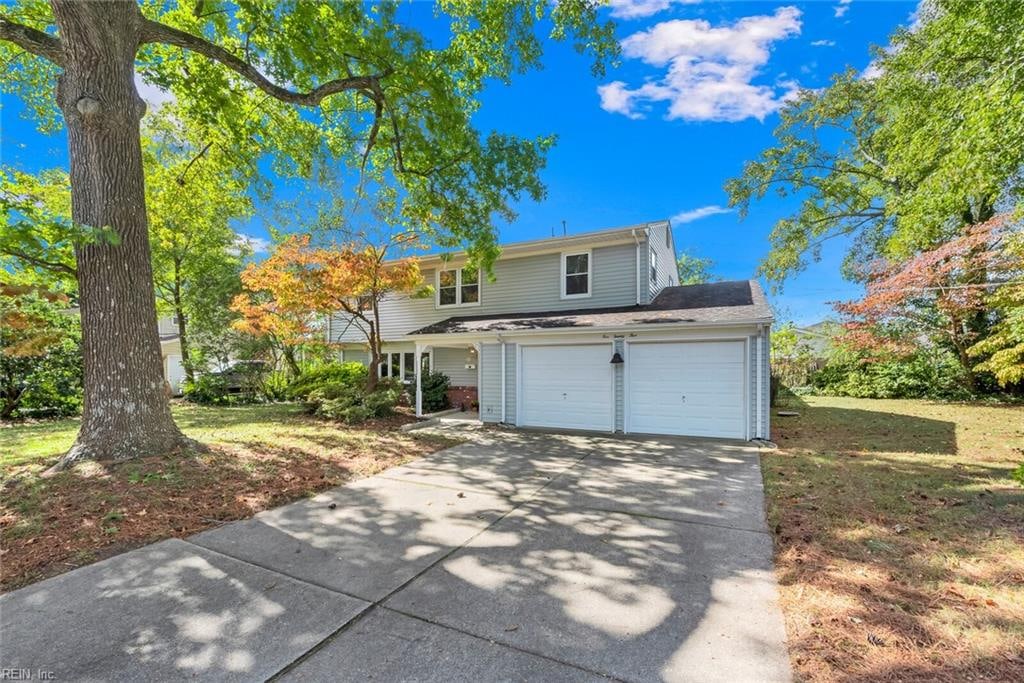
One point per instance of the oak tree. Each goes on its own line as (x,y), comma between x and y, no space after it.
(904,157)
(296,80)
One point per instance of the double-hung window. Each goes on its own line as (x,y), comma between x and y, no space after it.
(576,274)
(459,287)
(398,365)
(654,266)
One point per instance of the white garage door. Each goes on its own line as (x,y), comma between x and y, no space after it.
(567,386)
(688,388)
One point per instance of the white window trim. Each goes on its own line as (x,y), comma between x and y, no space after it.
(654,266)
(590,274)
(458,289)
(386,360)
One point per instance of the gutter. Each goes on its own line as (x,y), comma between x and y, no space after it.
(636,327)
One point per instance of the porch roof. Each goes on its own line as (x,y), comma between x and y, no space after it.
(737,301)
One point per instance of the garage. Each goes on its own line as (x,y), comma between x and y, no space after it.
(686,388)
(566,386)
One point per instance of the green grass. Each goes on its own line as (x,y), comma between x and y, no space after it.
(899,519)
(42,442)
(257,457)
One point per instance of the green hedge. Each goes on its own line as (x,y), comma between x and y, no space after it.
(341,374)
(351,403)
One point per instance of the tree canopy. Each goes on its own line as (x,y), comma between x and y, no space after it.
(373,93)
(296,82)
(903,157)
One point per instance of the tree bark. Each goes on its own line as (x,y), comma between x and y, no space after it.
(375,347)
(288,353)
(126,413)
(179,313)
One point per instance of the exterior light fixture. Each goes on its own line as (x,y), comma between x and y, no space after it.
(617,358)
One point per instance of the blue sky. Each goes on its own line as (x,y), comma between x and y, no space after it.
(694,98)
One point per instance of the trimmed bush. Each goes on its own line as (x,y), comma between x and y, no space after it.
(352,403)
(344,374)
(435,391)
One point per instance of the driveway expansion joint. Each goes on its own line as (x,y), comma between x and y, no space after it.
(663,518)
(379,602)
(500,643)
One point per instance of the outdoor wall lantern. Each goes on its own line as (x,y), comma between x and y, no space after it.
(617,358)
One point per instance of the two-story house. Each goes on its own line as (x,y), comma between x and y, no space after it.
(589,331)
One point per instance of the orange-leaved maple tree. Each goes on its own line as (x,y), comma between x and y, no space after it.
(942,293)
(289,293)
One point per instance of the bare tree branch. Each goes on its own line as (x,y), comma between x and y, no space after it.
(54,266)
(369,85)
(32,40)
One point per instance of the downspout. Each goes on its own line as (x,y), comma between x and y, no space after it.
(504,371)
(637,240)
(760,382)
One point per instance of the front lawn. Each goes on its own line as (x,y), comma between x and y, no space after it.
(899,539)
(259,457)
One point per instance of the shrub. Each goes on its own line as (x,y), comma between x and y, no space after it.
(213,389)
(40,355)
(274,387)
(1018,474)
(352,403)
(347,374)
(435,391)
(926,374)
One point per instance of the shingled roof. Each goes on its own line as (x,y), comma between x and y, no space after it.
(737,301)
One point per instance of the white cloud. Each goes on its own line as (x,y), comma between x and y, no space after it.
(636,9)
(258,245)
(823,43)
(696,214)
(842,8)
(708,69)
(152,95)
(872,71)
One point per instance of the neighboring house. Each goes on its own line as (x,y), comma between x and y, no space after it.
(817,338)
(170,349)
(589,332)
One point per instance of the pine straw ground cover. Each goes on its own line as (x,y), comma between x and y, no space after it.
(899,539)
(259,457)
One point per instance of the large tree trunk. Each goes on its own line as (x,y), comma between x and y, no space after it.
(126,413)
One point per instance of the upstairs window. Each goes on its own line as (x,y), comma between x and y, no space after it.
(575,275)
(654,266)
(458,287)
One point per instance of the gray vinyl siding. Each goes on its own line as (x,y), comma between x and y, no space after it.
(760,386)
(660,241)
(766,409)
(645,268)
(489,390)
(355,356)
(510,383)
(452,362)
(619,378)
(521,285)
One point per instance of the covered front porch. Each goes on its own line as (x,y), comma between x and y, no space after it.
(461,364)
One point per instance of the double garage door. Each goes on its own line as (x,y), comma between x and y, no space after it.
(679,388)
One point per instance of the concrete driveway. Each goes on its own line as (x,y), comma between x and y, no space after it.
(515,556)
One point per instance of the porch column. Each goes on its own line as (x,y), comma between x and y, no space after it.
(418,360)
